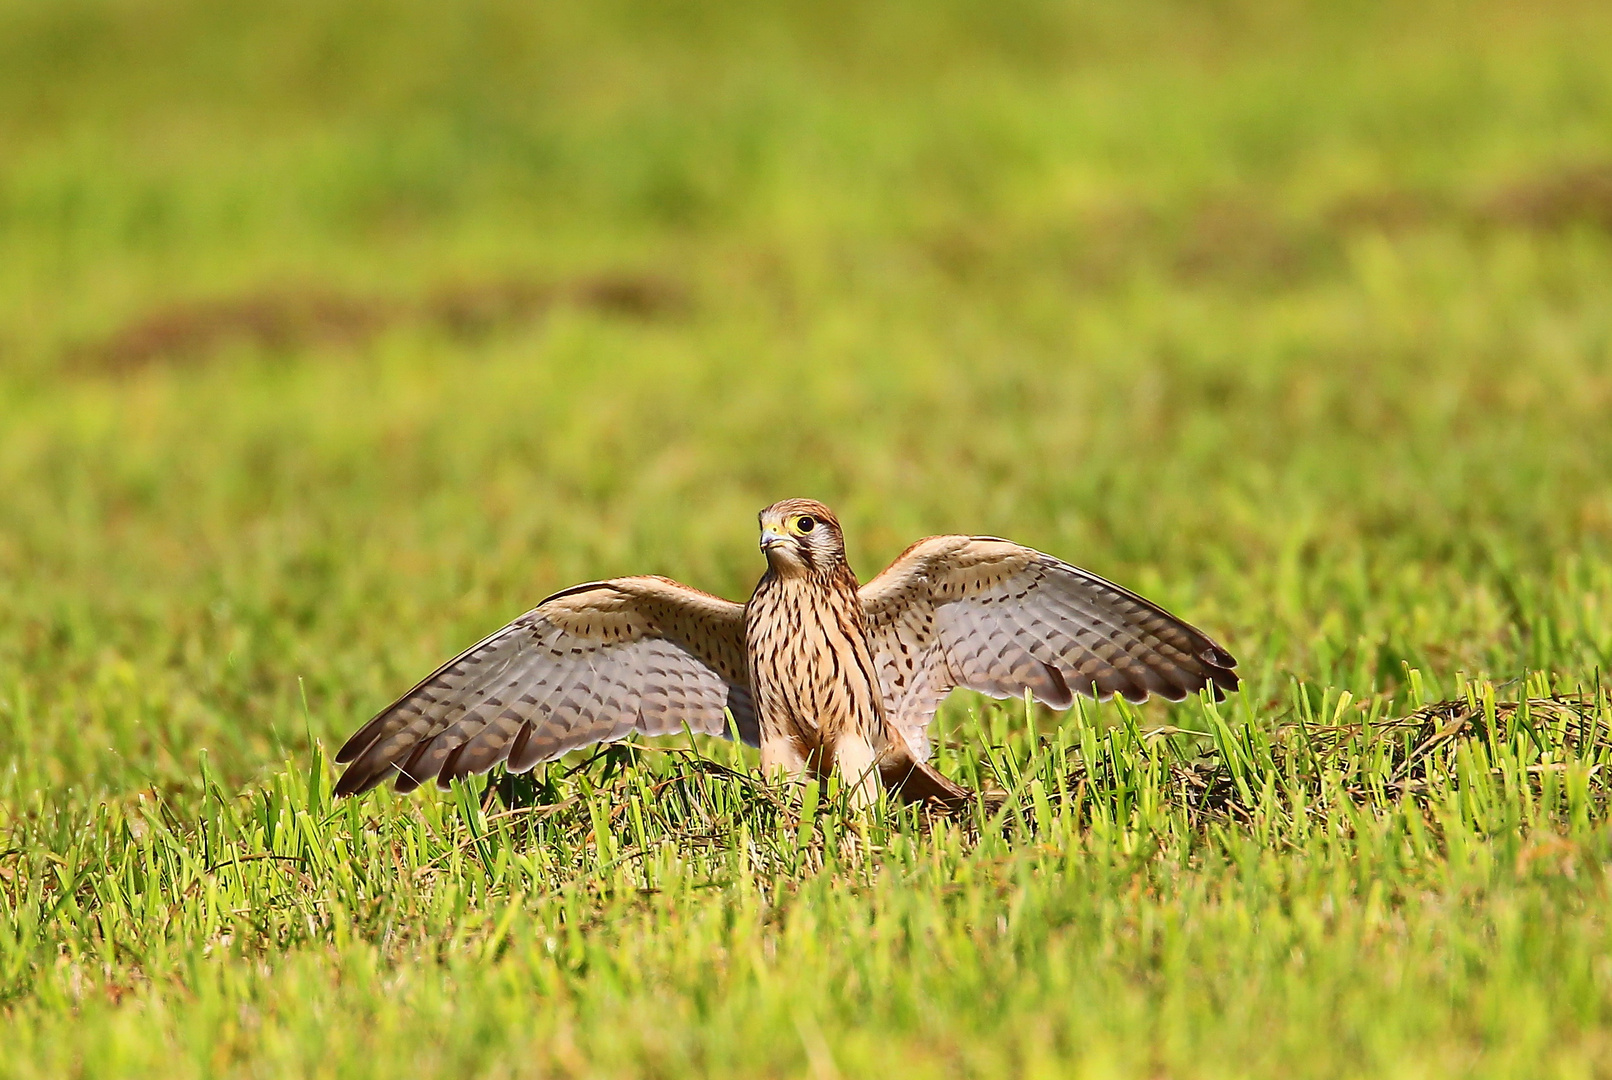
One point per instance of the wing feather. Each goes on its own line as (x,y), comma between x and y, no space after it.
(1002,618)
(594,663)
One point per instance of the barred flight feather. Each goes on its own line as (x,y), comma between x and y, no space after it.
(591,664)
(1001,618)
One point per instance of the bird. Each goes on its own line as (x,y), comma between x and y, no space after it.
(822,673)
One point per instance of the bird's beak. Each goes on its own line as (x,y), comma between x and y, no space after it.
(771,538)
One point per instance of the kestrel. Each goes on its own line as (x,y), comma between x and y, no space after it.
(820,673)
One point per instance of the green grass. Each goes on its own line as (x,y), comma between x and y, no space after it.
(334,335)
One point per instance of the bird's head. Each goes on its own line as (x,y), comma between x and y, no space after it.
(801,536)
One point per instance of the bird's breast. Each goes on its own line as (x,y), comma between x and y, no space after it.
(811,669)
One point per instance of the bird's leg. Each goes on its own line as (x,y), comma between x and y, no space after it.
(859,766)
(782,759)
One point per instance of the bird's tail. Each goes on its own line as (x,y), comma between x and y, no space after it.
(918,781)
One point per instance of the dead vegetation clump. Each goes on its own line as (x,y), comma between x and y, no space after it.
(1373,766)
(280,320)
(1579,195)
(1238,236)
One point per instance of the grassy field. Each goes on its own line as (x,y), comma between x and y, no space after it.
(335,334)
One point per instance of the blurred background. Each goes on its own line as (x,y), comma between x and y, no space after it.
(334,334)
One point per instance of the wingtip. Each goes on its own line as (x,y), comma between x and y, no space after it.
(1223,681)
(350,784)
(356,780)
(355,745)
(367,734)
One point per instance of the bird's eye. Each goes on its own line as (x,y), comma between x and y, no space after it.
(805,524)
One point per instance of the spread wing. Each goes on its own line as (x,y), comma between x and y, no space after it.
(591,664)
(1001,618)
